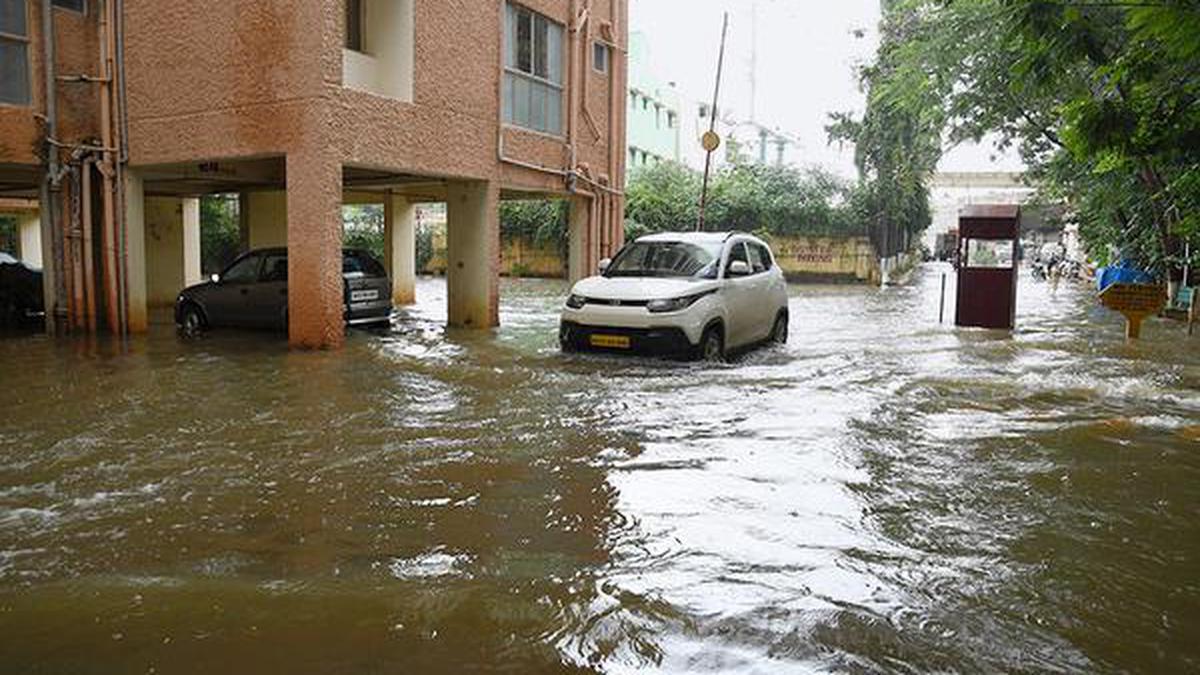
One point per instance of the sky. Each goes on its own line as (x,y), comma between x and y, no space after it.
(808,51)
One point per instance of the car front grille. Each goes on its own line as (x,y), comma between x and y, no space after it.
(616,303)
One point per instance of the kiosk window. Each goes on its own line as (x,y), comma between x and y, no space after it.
(990,253)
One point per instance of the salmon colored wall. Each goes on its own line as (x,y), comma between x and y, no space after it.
(76,53)
(240,78)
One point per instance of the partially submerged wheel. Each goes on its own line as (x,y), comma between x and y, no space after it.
(191,321)
(779,332)
(712,345)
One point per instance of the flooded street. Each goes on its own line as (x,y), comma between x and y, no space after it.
(883,495)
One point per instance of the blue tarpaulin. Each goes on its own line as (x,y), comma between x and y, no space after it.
(1122,273)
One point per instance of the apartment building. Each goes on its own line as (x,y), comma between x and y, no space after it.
(654,119)
(301,106)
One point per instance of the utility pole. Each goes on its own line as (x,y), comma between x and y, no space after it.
(711,139)
(754,62)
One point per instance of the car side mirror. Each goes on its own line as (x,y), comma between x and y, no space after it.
(604,264)
(739,268)
(215,278)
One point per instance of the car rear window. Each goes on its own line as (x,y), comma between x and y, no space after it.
(355,262)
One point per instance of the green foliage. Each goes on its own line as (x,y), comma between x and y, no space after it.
(362,227)
(220,233)
(1100,99)
(747,197)
(538,220)
(897,141)
(424,245)
(8,234)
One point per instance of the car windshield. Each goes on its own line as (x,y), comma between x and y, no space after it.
(666,259)
(358,264)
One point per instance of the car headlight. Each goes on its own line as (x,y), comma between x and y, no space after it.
(673,304)
(576,301)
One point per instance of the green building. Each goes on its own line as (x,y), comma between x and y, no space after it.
(654,118)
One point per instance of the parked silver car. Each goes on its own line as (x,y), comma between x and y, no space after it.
(252,293)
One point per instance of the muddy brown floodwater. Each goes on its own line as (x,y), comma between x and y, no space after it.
(882,495)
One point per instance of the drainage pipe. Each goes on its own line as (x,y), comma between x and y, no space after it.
(122,129)
(89,269)
(54,295)
(111,264)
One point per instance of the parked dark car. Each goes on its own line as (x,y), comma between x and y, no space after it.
(252,293)
(20,292)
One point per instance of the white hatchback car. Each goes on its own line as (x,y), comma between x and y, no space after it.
(686,294)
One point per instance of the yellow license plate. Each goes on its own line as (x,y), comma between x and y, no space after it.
(610,341)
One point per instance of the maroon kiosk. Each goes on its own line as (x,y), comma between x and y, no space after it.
(987,266)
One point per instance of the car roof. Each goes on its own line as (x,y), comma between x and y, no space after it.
(698,237)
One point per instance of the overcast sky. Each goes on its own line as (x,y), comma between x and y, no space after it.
(807,53)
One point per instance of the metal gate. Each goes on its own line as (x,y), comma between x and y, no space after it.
(987,266)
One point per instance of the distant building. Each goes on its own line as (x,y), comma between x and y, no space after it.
(654,115)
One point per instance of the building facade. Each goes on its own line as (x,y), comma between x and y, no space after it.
(301,107)
(654,114)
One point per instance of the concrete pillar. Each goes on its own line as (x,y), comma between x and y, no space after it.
(473,254)
(172,243)
(400,248)
(191,241)
(577,238)
(135,254)
(266,218)
(243,222)
(29,227)
(314,239)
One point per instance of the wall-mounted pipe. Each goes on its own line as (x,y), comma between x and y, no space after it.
(54,292)
(89,269)
(122,162)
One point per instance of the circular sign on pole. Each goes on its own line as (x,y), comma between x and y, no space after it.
(710,141)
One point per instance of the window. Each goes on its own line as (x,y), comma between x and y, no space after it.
(990,253)
(600,57)
(357,264)
(670,119)
(760,260)
(275,268)
(73,5)
(737,253)
(666,259)
(354,26)
(14,53)
(242,271)
(533,71)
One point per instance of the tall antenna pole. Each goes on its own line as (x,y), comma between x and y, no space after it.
(711,140)
(754,62)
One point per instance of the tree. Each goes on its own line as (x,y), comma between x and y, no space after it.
(1099,97)
(220,234)
(747,197)
(539,220)
(661,197)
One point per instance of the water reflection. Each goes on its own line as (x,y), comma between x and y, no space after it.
(883,494)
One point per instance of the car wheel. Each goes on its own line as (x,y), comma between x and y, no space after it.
(191,321)
(779,332)
(566,341)
(712,345)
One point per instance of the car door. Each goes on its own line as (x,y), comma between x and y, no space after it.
(266,303)
(760,285)
(739,298)
(777,285)
(226,301)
